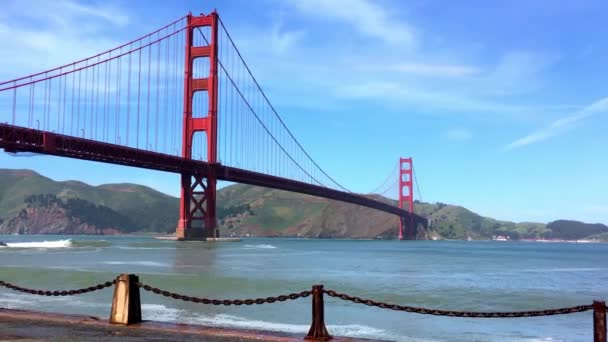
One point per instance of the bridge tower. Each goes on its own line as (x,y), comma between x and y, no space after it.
(197,220)
(407,231)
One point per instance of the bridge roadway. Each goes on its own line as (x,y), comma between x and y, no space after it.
(20,139)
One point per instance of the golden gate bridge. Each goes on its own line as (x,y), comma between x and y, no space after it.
(180,99)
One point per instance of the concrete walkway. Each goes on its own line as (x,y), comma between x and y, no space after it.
(22,326)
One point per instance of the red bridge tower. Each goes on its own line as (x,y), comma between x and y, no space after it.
(197,219)
(407,231)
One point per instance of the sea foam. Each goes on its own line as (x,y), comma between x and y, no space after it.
(261,246)
(41,244)
(159,312)
(138,263)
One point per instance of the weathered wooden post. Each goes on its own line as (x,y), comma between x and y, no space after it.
(599,321)
(126,306)
(317,330)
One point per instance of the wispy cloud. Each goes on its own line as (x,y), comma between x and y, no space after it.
(53,29)
(421,98)
(484,89)
(424,69)
(365,16)
(282,41)
(432,76)
(561,125)
(458,134)
(436,69)
(516,72)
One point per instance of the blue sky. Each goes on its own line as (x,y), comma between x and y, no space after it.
(502,105)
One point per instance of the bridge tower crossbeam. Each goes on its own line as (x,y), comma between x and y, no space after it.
(197,218)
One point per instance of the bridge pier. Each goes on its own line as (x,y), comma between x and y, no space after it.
(407,228)
(197,219)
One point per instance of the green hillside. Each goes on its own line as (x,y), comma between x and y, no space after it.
(135,202)
(33,203)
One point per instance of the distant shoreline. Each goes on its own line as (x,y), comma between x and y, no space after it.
(170,237)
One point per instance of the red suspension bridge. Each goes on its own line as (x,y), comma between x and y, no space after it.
(180,99)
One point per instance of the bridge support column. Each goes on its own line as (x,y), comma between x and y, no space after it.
(407,228)
(197,220)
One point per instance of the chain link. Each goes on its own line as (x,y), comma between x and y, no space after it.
(58,292)
(303,294)
(425,311)
(237,302)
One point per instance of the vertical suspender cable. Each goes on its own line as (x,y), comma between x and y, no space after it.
(138,97)
(166,104)
(157,93)
(148,106)
(128,96)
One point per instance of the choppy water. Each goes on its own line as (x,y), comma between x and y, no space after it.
(480,276)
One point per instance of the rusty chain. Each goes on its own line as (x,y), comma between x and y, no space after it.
(237,302)
(303,294)
(436,312)
(58,292)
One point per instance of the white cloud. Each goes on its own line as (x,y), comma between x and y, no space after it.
(62,31)
(458,134)
(435,69)
(282,41)
(560,125)
(279,39)
(108,13)
(463,88)
(365,16)
(63,13)
(423,69)
(421,98)
(516,72)
(427,77)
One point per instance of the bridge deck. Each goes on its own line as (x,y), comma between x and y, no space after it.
(19,139)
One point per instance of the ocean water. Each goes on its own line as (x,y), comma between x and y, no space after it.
(476,276)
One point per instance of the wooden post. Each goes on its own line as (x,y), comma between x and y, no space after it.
(317,330)
(599,321)
(126,307)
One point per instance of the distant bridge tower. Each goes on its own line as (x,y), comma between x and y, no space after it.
(197,218)
(407,231)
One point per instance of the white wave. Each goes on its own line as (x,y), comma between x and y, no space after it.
(41,244)
(351,330)
(156,248)
(16,301)
(564,269)
(160,312)
(138,263)
(21,301)
(261,246)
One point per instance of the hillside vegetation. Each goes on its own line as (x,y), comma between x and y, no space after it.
(140,208)
(31,203)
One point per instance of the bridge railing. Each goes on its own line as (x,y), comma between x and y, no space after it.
(126,305)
